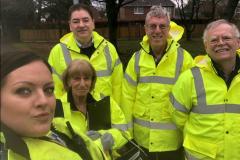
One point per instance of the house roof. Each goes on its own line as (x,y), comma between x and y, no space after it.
(164,3)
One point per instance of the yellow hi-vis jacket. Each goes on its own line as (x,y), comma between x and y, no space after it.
(145,96)
(49,147)
(105,60)
(80,123)
(208,112)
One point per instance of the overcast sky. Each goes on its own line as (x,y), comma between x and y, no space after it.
(175,1)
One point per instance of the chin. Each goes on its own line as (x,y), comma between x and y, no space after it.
(40,131)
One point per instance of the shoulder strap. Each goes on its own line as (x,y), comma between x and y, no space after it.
(78,144)
(15,143)
(66,54)
(179,62)
(136,65)
(59,109)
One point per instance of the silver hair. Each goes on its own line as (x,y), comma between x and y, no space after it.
(157,11)
(218,22)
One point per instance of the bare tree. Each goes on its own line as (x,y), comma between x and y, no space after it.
(189,15)
(112,10)
(214,4)
(230,9)
(15,15)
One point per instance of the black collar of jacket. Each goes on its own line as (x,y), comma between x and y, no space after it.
(90,99)
(14,142)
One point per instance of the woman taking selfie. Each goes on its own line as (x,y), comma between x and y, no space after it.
(27,110)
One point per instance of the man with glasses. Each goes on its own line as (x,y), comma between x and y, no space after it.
(149,77)
(206,99)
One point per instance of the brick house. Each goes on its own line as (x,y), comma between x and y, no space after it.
(136,11)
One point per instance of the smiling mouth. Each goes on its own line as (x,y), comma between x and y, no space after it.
(221,50)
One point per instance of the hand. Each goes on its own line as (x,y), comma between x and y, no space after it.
(107,141)
(93,134)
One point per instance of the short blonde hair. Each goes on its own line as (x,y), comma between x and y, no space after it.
(78,67)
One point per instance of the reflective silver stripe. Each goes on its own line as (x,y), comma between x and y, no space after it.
(66,54)
(179,62)
(130,125)
(189,156)
(100,73)
(103,73)
(118,61)
(177,105)
(136,64)
(122,127)
(200,90)
(108,58)
(221,108)
(130,80)
(55,72)
(202,107)
(159,79)
(156,79)
(155,125)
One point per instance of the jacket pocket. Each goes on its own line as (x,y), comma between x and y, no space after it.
(200,148)
(140,112)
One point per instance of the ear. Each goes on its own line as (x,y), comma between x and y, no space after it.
(145,28)
(238,41)
(69,24)
(93,24)
(205,46)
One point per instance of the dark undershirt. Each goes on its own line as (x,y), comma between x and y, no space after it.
(233,73)
(88,51)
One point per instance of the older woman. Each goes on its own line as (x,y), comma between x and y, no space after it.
(101,119)
(27,110)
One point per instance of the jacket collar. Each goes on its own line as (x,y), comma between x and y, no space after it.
(69,40)
(90,99)
(146,46)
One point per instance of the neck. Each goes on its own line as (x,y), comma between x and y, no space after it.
(85,43)
(159,50)
(81,103)
(227,67)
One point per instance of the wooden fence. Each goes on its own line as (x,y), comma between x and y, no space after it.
(129,31)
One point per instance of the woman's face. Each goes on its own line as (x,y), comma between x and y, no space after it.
(81,85)
(27,100)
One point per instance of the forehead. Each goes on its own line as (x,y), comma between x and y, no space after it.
(157,20)
(78,69)
(221,29)
(80,14)
(32,71)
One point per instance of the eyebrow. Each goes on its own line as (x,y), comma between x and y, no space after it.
(81,18)
(32,84)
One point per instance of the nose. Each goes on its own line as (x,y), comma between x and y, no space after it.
(221,41)
(158,29)
(41,99)
(82,82)
(81,23)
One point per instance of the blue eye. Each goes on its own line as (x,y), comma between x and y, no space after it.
(24,91)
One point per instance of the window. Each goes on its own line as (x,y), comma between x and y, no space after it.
(138,10)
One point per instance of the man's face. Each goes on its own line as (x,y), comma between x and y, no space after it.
(157,30)
(221,43)
(82,25)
